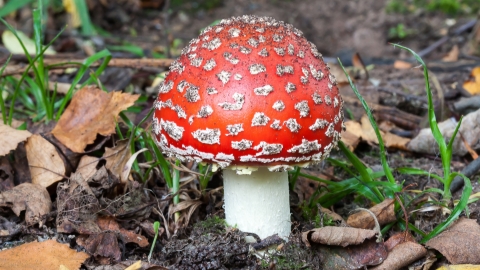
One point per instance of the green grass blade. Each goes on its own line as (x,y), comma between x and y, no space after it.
(366,177)
(2,102)
(12,6)
(82,9)
(415,171)
(462,204)
(383,155)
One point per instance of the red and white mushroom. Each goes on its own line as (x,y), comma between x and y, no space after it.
(254,97)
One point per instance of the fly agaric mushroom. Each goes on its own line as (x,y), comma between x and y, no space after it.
(250,95)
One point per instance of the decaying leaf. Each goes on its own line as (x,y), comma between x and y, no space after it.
(470,131)
(109,224)
(368,253)
(473,85)
(44,255)
(337,236)
(46,166)
(31,198)
(459,243)
(384,212)
(104,245)
(402,255)
(10,138)
(91,112)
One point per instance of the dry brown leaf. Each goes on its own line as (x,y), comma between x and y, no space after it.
(46,166)
(117,158)
(384,211)
(109,224)
(402,65)
(452,55)
(31,198)
(45,255)
(473,85)
(352,257)
(364,131)
(459,243)
(338,236)
(102,246)
(351,137)
(91,112)
(87,166)
(402,255)
(397,239)
(10,138)
(460,267)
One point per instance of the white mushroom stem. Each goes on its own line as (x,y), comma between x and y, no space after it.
(257,202)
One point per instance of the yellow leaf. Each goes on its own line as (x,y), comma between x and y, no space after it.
(13,45)
(71,8)
(473,85)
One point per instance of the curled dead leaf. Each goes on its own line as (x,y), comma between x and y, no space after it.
(384,212)
(337,236)
(402,255)
(31,198)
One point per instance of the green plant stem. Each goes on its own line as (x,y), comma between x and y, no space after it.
(176,187)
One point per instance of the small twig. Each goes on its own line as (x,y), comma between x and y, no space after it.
(471,169)
(115,62)
(444,39)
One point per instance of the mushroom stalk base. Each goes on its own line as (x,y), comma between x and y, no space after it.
(258,203)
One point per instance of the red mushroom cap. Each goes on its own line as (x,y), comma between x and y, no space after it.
(249,91)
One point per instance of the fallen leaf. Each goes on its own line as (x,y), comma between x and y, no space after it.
(87,166)
(452,55)
(46,166)
(460,267)
(473,85)
(337,236)
(360,256)
(31,198)
(11,42)
(398,64)
(364,131)
(77,206)
(44,255)
(425,143)
(103,246)
(402,255)
(10,138)
(91,112)
(397,239)
(459,243)
(384,212)
(137,265)
(109,224)
(74,16)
